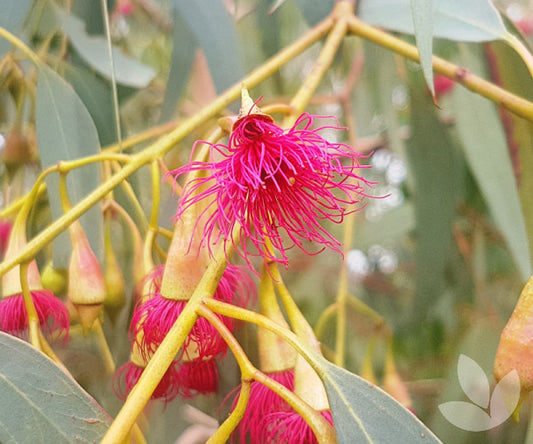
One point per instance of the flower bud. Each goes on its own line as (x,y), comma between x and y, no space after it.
(54,279)
(394,385)
(17,149)
(515,351)
(86,285)
(114,281)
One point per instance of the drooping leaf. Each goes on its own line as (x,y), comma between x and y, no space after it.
(422,11)
(485,148)
(472,20)
(437,175)
(473,381)
(363,413)
(96,94)
(66,131)
(315,10)
(216,35)
(40,403)
(508,70)
(12,18)
(93,49)
(183,49)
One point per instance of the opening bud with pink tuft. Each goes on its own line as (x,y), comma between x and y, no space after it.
(52,314)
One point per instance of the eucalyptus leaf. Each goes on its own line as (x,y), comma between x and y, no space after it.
(183,49)
(66,131)
(94,50)
(216,35)
(423,11)
(315,11)
(40,403)
(485,148)
(458,20)
(363,413)
(437,174)
(12,18)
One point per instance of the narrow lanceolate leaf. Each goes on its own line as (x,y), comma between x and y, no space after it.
(12,18)
(485,148)
(40,403)
(422,11)
(365,414)
(93,49)
(460,20)
(437,174)
(65,131)
(509,71)
(216,35)
(183,49)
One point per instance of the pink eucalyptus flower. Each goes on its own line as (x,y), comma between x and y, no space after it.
(288,427)
(52,314)
(275,184)
(128,375)
(261,404)
(154,315)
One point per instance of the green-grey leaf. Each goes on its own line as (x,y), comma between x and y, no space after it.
(40,403)
(12,18)
(422,11)
(435,168)
(183,49)
(214,31)
(485,148)
(315,10)
(363,413)
(472,20)
(94,51)
(65,131)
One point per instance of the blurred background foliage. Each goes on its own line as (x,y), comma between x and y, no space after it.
(440,254)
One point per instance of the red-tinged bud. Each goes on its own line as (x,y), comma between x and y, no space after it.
(17,149)
(394,385)
(86,285)
(515,351)
(55,279)
(443,85)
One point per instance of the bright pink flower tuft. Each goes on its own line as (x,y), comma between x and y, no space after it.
(128,375)
(52,314)
(156,315)
(275,184)
(262,402)
(290,428)
(197,377)
(5,231)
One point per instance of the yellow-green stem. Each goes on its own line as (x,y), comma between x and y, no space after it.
(33,318)
(322,429)
(167,350)
(498,95)
(163,145)
(311,82)
(156,196)
(325,316)
(109,362)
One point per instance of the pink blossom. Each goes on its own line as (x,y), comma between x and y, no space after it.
(5,231)
(277,185)
(261,404)
(290,428)
(52,314)
(154,315)
(128,375)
